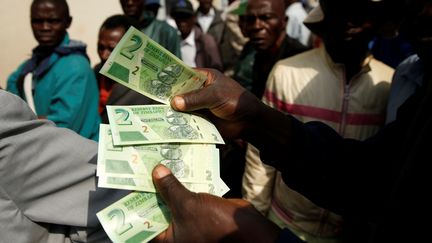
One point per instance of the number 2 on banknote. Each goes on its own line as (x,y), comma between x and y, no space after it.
(122,117)
(119,216)
(148,224)
(128,51)
(134,158)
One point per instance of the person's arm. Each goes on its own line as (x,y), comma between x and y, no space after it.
(258,181)
(11,84)
(47,178)
(237,112)
(74,104)
(213,56)
(213,219)
(336,173)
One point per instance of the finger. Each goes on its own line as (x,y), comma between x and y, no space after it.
(160,238)
(208,73)
(204,98)
(242,203)
(169,188)
(165,236)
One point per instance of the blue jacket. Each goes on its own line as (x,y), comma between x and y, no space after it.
(66,94)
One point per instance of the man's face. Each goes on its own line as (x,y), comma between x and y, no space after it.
(347,29)
(49,23)
(132,8)
(419,30)
(205,5)
(185,24)
(264,22)
(107,41)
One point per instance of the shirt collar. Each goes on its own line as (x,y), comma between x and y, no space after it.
(190,40)
(339,67)
(211,13)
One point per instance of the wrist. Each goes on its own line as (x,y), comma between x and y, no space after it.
(269,129)
(286,235)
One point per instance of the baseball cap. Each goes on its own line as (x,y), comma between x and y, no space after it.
(150,2)
(182,7)
(315,16)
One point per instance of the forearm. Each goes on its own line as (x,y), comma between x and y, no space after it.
(333,172)
(269,130)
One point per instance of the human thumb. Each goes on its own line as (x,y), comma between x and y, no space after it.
(169,188)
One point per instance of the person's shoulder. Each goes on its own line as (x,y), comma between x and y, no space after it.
(163,25)
(204,37)
(411,69)
(21,65)
(15,74)
(296,10)
(7,96)
(72,66)
(12,103)
(308,58)
(409,62)
(218,12)
(73,62)
(381,67)
(294,44)
(217,20)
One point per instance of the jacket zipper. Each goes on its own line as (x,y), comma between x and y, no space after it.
(345,103)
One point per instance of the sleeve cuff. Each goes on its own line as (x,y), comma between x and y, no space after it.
(286,236)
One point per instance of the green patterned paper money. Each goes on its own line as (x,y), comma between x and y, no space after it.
(138,217)
(149,124)
(188,162)
(219,188)
(146,67)
(216,187)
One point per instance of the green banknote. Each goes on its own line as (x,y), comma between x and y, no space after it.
(146,67)
(218,189)
(136,218)
(150,124)
(189,162)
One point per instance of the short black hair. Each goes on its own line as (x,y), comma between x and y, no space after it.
(119,20)
(60,3)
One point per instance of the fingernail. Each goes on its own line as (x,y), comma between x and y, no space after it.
(179,102)
(162,171)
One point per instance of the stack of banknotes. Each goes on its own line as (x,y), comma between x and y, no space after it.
(140,137)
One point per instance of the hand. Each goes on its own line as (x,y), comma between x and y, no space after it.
(230,104)
(200,217)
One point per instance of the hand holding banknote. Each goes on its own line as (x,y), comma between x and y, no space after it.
(200,217)
(231,106)
(143,65)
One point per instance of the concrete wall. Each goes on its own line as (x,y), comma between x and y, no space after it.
(16,38)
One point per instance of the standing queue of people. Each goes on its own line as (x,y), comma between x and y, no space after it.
(325,143)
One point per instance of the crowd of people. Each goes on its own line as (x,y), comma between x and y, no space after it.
(325,142)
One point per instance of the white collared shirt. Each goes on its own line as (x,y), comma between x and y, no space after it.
(188,49)
(206,20)
(295,27)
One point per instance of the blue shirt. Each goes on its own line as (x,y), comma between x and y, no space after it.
(407,78)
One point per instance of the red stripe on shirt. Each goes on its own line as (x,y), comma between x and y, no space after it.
(324,114)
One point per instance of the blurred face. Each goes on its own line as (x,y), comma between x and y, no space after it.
(185,24)
(419,30)
(108,39)
(264,23)
(348,30)
(49,23)
(205,5)
(132,8)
